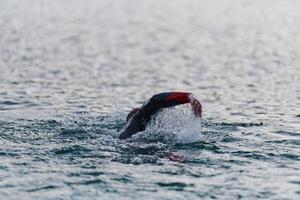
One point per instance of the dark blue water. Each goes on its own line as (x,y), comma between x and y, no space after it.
(71,71)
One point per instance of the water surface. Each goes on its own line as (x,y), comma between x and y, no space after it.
(71,70)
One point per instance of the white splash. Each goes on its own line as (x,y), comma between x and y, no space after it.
(178,124)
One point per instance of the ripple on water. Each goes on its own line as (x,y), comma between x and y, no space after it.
(177,186)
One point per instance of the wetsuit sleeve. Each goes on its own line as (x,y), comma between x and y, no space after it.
(138,122)
(162,100)
(169,99)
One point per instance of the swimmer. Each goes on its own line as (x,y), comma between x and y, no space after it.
(138,118)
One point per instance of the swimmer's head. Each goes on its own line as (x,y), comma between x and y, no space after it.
(132,112)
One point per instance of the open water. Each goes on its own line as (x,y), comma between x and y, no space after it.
(71,70)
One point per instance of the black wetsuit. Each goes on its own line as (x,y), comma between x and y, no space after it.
(139,120)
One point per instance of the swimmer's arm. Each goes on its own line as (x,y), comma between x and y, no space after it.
(140,119)
(164,100)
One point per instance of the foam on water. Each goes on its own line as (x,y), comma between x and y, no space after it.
(178,124)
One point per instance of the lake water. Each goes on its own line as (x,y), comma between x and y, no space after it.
(71,71)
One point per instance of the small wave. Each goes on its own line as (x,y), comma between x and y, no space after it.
(86,182)
(198,146)
(233,124)
(178,186)
(47,187)
(73,149)
(288,133)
